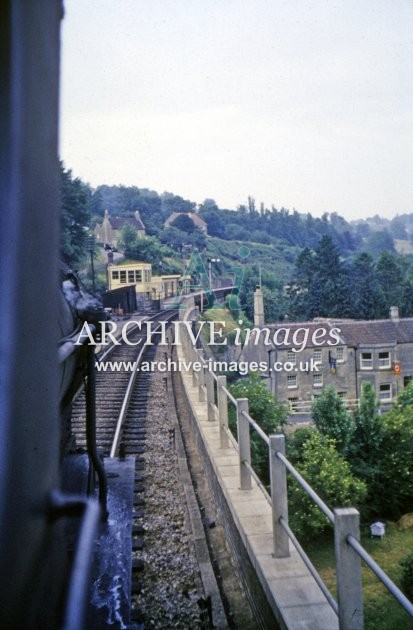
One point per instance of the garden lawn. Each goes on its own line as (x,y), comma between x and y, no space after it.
(381,610)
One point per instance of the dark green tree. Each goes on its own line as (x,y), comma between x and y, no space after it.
(75,218)
(150,250)
(398,227)
(378,242)
(332,418)
(329,475)
(391,281)
(328,295)
(364,453)
(266,411)
(394,486)
(301,284)
(184,224)
(368,300)
(128,238)
(210,213)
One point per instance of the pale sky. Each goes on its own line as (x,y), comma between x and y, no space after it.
(305,104)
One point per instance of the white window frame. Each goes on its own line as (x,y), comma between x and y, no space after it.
(340,350)
(318,355)
(387,364)
(318,380)
(363,365)
(291,357)
(385,398)
(292,381)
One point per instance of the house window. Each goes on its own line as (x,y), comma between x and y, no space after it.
(385,392)
(366,361)
(340,354)
(317,380)
(291,356)
(384,360)
(131,276)
(138,276)
(317,355)
(123,277)
(341,395)
(291,381)
(115,275)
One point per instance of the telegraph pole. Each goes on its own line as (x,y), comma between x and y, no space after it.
(91,245)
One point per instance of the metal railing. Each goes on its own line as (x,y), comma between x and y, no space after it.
(212,389)
(304,406)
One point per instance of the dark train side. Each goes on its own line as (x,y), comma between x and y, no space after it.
(41,578)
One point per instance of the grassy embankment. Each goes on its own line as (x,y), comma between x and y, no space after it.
(381,611)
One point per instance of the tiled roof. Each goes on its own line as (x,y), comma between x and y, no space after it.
(118,223)
(377,332)
(353,333)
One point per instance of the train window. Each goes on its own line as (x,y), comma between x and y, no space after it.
(139,276)
(115,275)
(147,275)
(123,277)
(131,276)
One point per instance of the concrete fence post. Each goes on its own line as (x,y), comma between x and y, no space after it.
(348,570)
(244,445)
(186,342)
(279,497)
(222,411)
(202,376)
(193,355)
(210,394)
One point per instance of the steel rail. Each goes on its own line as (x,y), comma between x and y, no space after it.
(129,389)
(314,496)
(309,565)
(110,348)
(380,574)
(258,482)
(256,426)
(229,395)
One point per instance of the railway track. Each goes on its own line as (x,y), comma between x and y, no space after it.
(121,422)
(111,389)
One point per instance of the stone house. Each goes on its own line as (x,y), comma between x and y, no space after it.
(109,231)
(195,218)
(348,353)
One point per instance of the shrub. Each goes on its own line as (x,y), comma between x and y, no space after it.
(266,411)
(330,476)
(394,483)
(407,575)
(332,418)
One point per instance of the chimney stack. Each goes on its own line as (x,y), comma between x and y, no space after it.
(394,314)
(258,307)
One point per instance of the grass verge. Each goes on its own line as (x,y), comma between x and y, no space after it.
(381,610)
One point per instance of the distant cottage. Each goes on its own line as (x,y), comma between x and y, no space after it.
(195,218)
(109,230)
